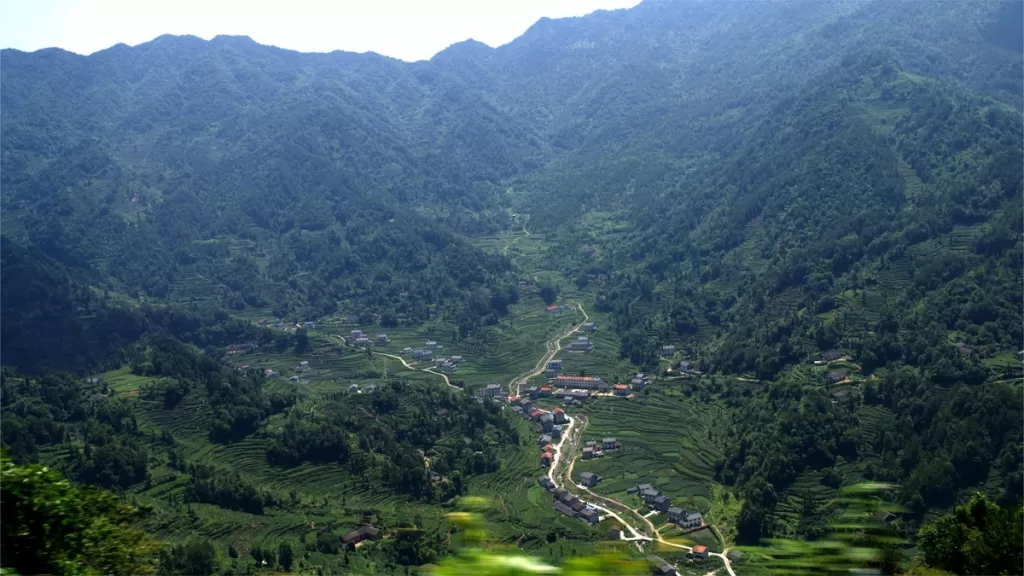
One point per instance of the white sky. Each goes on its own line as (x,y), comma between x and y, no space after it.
(409,30)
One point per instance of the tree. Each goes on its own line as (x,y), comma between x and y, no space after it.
(50,526)
(286,555)
(979,537)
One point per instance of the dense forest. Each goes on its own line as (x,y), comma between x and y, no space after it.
(755,183)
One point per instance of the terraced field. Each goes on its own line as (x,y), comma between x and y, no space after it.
(668,439)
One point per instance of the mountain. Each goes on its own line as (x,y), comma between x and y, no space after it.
(758,184)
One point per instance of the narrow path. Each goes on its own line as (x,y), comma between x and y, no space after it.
(427,370)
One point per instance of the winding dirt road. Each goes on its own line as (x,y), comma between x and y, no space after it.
(572,436)
(427,370)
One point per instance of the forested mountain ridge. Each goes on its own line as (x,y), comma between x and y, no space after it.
(755,183)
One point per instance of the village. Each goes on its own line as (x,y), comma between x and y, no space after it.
(544,405)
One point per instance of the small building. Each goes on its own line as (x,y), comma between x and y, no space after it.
(353,389)
(533,392)
(700,552)
(691,520)
(831,355)
(550,373)
(544,440)
(406,351)
(562,494)
(547,422)
(269,374)
(884,517)
(535,415)
(355,334)
(621,389)
(962,348)
(526,404)
(309,325)
(581,344)
(585,382)
(588,453)
(546,483)
(578,395)
(589,479)
(545,459)
(660,566)
(431,345)
(556,431)
(609,443)
(615,533)
(457,359)
(449,368)
(553,309)
(559,416)
(640,381)
(491,391)
(365,532)
(565,510)
(668,350)
(590,515)
(303,366)
(363,341)
(661,503)
(420,354)
(589,327)
(549,448)
(554,365)
(545,391)
(649,494)
(685,366)
(382,340)
(675,514)
(835,376)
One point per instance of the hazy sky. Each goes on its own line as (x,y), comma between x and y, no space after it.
(410,30)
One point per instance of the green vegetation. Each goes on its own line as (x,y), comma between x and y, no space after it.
(754,183)
(53,527)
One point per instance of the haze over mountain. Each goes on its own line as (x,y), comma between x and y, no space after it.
(759,182)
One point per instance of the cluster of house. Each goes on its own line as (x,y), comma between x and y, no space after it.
(358,338)
(239,348)
(688,520)
(427,353)
(591,448)
(448,365)
(829,357)
(279,324)
(568,504)
(569,396)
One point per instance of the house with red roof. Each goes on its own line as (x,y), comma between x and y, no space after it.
(587,382)
(700,552)
(621,389)
(545,459)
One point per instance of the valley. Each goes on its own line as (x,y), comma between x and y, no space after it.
(696,287)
